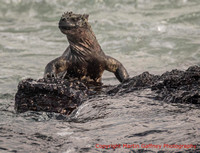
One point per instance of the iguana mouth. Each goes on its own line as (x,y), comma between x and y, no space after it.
(63,25)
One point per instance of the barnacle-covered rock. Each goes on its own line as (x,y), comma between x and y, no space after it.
(52,95)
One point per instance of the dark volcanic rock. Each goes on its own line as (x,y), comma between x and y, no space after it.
(142,81)
(179,86)
(175,86)
(63,96)
(53,95)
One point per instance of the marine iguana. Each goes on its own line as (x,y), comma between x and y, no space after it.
(83,59)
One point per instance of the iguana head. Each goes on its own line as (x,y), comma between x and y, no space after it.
(71,21)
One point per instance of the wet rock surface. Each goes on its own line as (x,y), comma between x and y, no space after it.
(179,86)
(175,86)
(63,96)
(52,95)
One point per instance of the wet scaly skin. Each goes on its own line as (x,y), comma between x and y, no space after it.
(83,58)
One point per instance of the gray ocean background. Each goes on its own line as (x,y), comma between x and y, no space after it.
(145,35)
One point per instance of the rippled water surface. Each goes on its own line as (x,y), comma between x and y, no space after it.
(145,35)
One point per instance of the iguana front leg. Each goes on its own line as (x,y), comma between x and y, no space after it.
(55,67)
(117,68)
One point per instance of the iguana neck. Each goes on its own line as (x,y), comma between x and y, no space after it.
(83,40)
